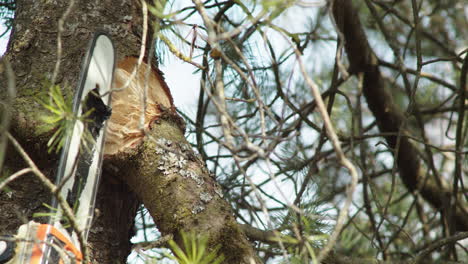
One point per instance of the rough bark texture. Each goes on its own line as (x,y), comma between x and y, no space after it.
(389,117)
(179,192)
(32,52)
(178,201)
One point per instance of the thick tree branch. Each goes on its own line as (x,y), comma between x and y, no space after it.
(271,237)
(160,166)
(179,192)
(389,117)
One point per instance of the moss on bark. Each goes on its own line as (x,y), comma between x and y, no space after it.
(179,192)
(32,51)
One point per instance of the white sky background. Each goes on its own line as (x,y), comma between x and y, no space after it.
(3,40)
(185,85)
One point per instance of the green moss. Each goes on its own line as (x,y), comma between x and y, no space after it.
(228,238)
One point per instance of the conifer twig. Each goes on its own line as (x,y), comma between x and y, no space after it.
(339,152)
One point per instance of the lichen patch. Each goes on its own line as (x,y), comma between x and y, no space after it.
(198,209)
(205,197)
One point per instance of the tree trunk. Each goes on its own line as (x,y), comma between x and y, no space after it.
(180,196)
(32,51)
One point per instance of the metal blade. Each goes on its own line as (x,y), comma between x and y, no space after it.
(80,164)
(79,167)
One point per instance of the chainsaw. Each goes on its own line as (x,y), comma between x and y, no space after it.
(78,171)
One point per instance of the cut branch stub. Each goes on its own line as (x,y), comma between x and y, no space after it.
(124,130)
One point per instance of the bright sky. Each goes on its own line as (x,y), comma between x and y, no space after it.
(184,85)
(3,40)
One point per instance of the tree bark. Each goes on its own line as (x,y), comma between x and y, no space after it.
(32,51)
(388,116)
(183,200)
(180,194)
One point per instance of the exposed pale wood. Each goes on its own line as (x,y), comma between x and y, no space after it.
(123,129)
